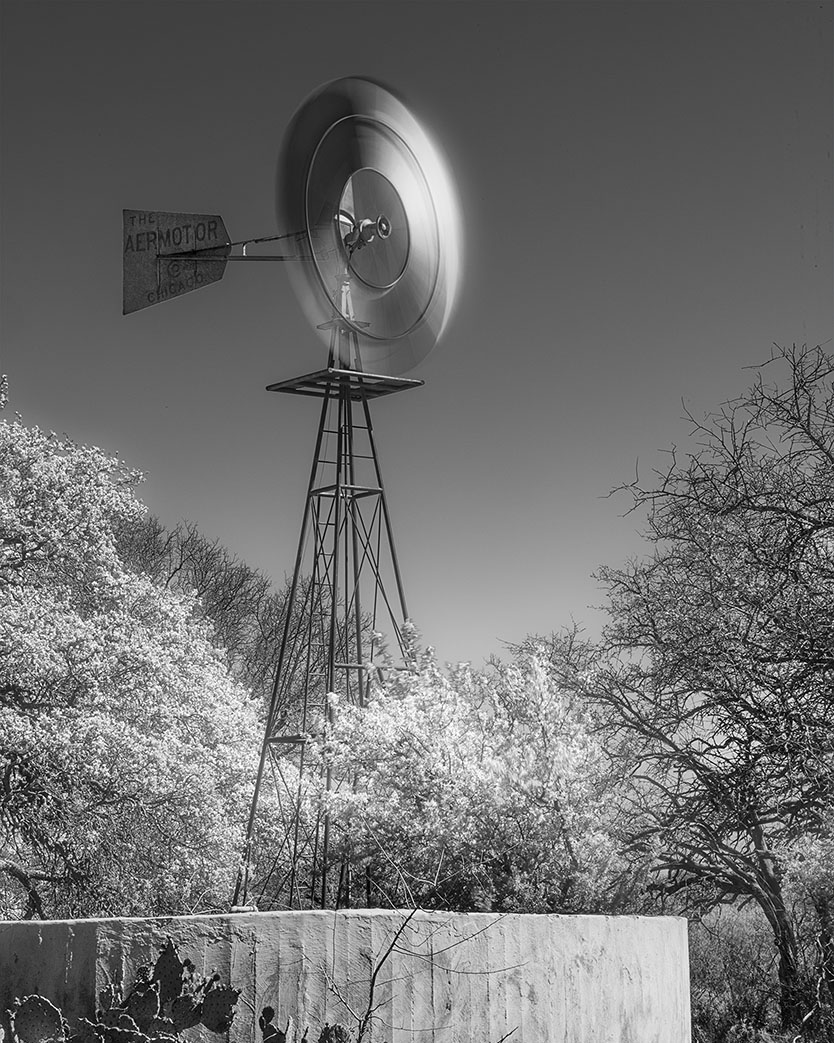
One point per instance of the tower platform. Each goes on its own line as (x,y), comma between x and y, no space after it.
(359,385)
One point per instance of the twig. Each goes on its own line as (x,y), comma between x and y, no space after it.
(380,963)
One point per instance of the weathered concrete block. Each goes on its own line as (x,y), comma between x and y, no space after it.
(448,978)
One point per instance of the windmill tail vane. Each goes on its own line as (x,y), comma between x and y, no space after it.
(166,255)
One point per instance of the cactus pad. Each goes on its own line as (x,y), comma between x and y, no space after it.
(168,972)
(186,1011)
(110,1018)
(85,1032)
(218,1007)
(36,1020)
(110,996)
(125,1035)
(270,1032)
(143,1004)
(162,1027)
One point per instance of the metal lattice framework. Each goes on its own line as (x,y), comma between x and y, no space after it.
(375,228)
(346,588)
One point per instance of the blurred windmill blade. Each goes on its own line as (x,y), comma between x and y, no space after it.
(361,174)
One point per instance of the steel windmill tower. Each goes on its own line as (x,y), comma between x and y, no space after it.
(374,246)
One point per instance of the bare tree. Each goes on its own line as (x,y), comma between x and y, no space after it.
(246,611)
(239,601)
(719,656)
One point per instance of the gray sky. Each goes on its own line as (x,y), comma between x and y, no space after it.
(647,198)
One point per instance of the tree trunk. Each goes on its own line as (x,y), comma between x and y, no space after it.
(790,1008)
(825,915)
(773,905)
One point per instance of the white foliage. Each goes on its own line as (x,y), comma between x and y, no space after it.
(126,747)
(476,789)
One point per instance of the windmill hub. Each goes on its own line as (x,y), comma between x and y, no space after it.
(365,232)
(368,192)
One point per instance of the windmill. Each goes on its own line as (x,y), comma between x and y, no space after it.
(373,249)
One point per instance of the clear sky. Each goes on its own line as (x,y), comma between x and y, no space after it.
(647,198)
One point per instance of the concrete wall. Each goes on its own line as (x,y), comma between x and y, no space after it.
(451,978)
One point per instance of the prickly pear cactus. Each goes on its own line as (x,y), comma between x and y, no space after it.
(110,996)
(186,1011)
(334,1034)
(271,1033)
(116,1018)
(36,1020)
(85,1032)
(143,1004)
(161,1003)
(168,973)
(219,1007)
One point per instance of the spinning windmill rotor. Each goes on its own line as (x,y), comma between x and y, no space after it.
(374,247)
(364,180)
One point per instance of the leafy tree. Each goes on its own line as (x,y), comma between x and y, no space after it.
(127,749)
(719,657)
(475,790)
